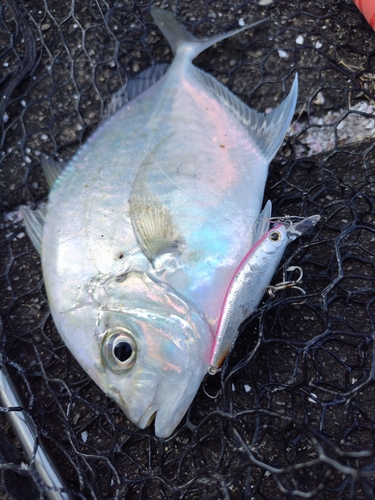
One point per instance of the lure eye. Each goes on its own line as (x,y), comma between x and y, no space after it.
(275,236)
(119,350)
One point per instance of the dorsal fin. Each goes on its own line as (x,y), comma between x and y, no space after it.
(269,130)
(180,39)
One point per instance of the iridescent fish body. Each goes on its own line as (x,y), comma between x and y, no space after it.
(146,226)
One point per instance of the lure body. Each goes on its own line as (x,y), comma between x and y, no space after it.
(250,281)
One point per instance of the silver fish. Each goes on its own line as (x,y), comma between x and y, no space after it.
(146,226)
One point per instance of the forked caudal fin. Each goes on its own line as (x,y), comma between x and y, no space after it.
(180,39)
(269,130)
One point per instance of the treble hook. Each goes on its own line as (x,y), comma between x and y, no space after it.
(293,268)
(273,289)
(209,395)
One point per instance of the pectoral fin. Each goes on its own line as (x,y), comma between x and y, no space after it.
(154,226)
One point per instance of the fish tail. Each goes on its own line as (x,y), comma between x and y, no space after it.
(268,131)
(179,38)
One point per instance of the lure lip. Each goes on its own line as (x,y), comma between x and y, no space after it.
(296,229)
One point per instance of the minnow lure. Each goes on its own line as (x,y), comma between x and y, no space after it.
(250,282)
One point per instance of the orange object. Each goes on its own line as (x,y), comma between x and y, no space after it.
(367,7)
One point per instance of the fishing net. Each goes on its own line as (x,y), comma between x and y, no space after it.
(292,413)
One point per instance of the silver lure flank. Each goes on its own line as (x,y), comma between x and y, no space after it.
(250,282)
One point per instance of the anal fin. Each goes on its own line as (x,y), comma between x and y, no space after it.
(134,87)
(51,169)
(34,224)
(267,131)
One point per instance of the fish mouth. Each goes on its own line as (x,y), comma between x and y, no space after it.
(147,418)
(141,415)
(165,422)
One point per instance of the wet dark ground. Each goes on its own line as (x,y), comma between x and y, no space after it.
(292,413)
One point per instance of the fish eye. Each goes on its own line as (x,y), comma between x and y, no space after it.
(123,351)
(275,236)
(119,350)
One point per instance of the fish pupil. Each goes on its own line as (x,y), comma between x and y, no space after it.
(123,351)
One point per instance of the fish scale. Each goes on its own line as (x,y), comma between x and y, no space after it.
(147,225)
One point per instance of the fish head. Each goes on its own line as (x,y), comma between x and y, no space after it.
(154,350)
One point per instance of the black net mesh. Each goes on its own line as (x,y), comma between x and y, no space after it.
(292,413)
